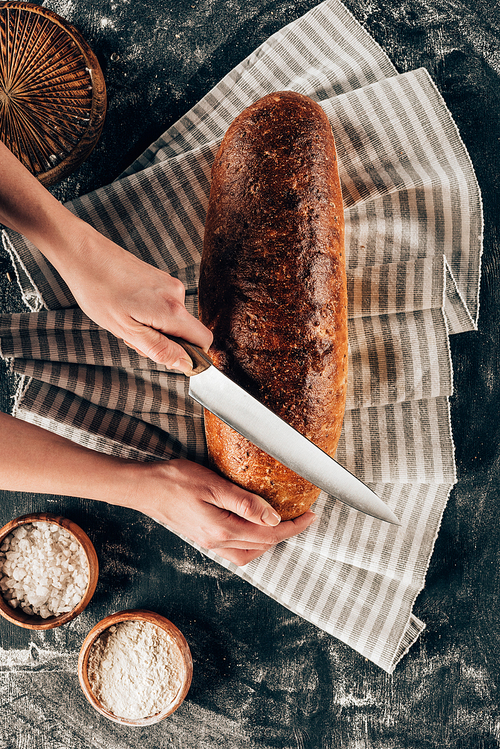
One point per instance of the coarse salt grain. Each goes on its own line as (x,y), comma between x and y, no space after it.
(43,569)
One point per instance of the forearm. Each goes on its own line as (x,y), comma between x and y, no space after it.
(190,499)
(135,301)
(36,460)
(69,243)
(83,256)
(28,208)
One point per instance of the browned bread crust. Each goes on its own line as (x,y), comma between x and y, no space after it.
(273,286)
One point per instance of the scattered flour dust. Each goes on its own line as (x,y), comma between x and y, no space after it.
(135,669)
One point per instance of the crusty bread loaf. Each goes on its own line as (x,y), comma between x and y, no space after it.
(273,286)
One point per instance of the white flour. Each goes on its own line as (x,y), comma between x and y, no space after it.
(135,669)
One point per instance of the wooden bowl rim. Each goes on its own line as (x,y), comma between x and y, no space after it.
(28,621)
(136,615)
(92,132)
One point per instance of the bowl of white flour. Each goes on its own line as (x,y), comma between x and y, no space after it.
(135,667)
(48,570)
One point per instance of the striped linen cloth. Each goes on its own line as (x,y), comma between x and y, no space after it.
(413,245)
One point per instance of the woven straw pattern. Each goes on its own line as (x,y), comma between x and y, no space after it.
(52,92)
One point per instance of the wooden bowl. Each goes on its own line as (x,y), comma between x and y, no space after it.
(33,621)
(176,640)
(52,91)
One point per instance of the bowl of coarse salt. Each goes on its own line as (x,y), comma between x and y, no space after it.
(135,667)
(48,570)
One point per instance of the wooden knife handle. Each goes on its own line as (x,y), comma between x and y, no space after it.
(201,360)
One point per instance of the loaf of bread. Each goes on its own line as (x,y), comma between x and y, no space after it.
(273,286)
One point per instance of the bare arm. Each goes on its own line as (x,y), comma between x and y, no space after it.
(189,498)
(139,304)
(132,299)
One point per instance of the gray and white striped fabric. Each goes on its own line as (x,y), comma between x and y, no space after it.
(413,235)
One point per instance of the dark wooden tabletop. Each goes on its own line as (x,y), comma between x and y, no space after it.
(263,677)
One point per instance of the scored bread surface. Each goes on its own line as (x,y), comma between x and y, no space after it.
(273,287)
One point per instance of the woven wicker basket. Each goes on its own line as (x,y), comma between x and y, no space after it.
(52,91)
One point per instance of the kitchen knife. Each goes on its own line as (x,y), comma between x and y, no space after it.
(257,423)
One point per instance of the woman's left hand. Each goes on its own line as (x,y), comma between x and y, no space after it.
(133,300)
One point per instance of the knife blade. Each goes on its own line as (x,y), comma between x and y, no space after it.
(232,404)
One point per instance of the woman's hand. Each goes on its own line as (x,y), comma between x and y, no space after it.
(206,508)
(188,498)
(141,305)
(131,299)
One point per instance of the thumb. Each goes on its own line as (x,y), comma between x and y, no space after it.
(269,516)
(154,345)
(248,506)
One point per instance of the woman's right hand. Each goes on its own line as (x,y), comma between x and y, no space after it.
(189,498)
(206,508)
